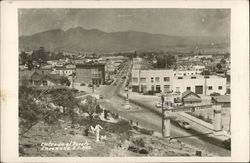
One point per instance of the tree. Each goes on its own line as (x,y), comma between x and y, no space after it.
(23,57)
(161,61)
(30,64)
(218,66)
(40,55)
(223,61)
(89,106)
(29,110)
(171,61)
(66,99)
(65,80)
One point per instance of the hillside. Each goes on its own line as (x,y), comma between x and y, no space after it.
(93,40)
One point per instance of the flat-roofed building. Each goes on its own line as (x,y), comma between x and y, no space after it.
(90,73)
(202,85)
(155,80)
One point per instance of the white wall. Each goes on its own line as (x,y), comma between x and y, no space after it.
(215,82)
(153,73)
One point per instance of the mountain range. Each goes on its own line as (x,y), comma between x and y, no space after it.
(94,40)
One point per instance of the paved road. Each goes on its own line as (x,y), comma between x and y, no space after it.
(152,120)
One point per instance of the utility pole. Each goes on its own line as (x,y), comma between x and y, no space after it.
(165,120)
(162,118)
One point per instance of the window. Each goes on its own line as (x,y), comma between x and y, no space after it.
(158,88)
(210,88)
(166,88)
(143,80)
(152,88)
(220,87)
(188,88)
(157,79)
(152,79)
(135,80)
(199,89)
(166,79)
(45,83)
(180,77)
(193,77)
(184,74)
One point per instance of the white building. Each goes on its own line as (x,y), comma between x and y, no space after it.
(190,71)
(185,72)
(156,80)
(200,84)
(199,69)
(65,71)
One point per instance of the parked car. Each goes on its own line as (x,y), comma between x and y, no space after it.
(184,124)
(158,104)
(90,85)
(149,93)
(82,84)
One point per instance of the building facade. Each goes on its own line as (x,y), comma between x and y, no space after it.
(90,73)
(64,71)
(155,80)
(202,85)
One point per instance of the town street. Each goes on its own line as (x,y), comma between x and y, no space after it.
(144,116)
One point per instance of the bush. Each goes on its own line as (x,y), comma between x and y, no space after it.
(227,144)
(139,142)
(143,151)
(133,149)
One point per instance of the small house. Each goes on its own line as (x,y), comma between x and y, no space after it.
(223,100)
(40,79)
(190,98)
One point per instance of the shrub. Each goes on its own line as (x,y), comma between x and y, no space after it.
(133,149)
(139,142)
(143,151)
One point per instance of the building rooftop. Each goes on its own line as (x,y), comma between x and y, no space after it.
(222,99)
(90,64)
(198,77)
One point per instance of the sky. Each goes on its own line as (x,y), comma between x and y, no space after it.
(179,22)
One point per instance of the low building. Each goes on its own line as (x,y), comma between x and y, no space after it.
(190,98)
(223,100)
(40,79)
(65,70)
(90,73)
(202,85)
(189,70)
(199,69)
(155,80)
(185,72)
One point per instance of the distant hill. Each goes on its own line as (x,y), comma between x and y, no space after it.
(93,40)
